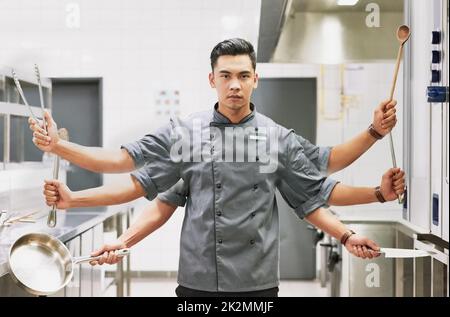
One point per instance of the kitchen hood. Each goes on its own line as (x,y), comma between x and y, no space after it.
(323,32)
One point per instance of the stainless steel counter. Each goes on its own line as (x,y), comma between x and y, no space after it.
(69,225)
(350,276)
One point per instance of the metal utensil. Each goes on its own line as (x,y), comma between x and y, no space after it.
(3,217)
(41,264)
(51,219)
(19,89)
(404,253)
(41,95)
(20,218)
(403,34)
(3,214)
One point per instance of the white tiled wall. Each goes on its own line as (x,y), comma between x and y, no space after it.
(366,85)
(337,122)
(137,47)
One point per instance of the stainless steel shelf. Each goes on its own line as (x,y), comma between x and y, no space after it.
(16,139)
(15,109)
(25,76)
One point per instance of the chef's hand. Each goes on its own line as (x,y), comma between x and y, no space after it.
(384,117)
(108,253)
(57,192)
(44,140)
(392,184)
(362,247)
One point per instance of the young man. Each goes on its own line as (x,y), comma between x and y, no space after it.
(325,159)
(221,250)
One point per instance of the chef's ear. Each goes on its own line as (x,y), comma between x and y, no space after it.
(211,80)
(256,79)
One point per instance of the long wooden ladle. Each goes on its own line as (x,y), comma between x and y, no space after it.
(403,34)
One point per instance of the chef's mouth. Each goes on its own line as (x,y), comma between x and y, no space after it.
(234,97)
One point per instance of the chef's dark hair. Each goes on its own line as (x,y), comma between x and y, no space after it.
(233,47)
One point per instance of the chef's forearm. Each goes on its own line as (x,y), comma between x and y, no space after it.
(107,195)
(344,154)
(151,219)
(95,159)
(327,222)
(343,195)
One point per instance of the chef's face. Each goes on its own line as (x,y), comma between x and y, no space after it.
(234,79)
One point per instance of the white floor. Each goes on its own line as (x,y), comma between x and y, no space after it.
(165,287)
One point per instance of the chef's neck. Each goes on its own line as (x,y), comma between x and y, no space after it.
(234,115)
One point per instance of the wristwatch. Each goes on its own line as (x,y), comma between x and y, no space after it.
(379,195)
(374,132)
(347,235)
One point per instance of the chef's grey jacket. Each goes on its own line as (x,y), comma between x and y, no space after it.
(229,240)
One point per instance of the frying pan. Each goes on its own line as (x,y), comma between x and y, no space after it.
(42,265)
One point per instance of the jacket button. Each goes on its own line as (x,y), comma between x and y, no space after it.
(220,241)
(252,241)
(218,213)
(255,187)
(257,159)
(218,185)
(253,214)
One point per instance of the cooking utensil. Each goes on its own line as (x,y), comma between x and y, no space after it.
(19,89)
(41,95)
(20,218)
(3,220)
(51,219)
(29,220)
(404,253)
(3,215)
(42,265)
(403,34)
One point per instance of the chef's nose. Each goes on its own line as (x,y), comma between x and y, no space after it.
(235,85)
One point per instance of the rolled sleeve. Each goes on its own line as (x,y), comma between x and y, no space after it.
(158,171)
(318,155)
(135,152)
(304,186)
(176,195)
(323,159)
(320,200)
(146,182)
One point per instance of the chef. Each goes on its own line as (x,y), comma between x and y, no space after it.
(220,247)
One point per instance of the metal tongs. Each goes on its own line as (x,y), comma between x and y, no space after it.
(51,220)
(22,95)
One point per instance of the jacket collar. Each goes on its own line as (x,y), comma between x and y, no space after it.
(219,118)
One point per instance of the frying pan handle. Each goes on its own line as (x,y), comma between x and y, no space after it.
(88,258)
(51,219)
